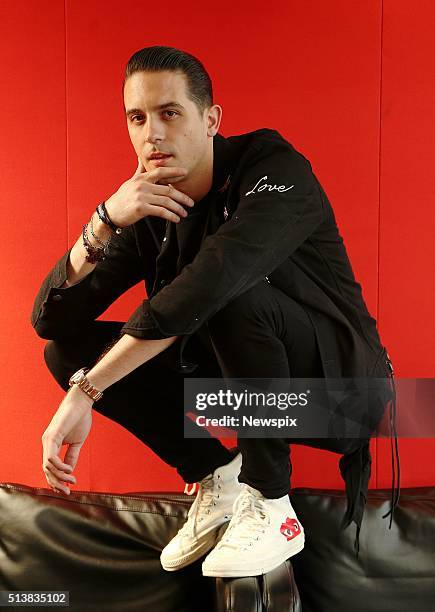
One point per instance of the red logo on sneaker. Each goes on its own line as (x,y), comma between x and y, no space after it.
(290,529)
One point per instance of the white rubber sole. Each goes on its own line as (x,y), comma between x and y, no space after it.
(256,570)
(194,555)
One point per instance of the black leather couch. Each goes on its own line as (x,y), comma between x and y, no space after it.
(104,549)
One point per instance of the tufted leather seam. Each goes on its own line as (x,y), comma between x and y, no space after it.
(101,505)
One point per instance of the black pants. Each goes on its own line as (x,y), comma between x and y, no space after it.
(260,334)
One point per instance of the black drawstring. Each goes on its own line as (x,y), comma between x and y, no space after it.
(395,492)
(356,469)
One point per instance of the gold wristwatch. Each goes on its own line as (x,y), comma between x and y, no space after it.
(79,379)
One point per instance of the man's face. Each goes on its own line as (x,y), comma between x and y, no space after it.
(177,129)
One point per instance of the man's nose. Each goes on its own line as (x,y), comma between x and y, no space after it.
(153,131)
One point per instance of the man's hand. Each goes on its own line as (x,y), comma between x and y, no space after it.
(70,425)
(141,196)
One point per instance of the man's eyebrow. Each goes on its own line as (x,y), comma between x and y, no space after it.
(131,111)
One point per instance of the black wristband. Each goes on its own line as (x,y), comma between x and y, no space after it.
(104,216)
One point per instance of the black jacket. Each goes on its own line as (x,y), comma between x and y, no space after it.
(266,215)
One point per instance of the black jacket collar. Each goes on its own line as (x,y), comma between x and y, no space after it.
(222,161)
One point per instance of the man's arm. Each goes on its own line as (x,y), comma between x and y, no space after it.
(79,282)
(75,292)
(127,354)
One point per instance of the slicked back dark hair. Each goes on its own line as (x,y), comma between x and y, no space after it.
(158,57)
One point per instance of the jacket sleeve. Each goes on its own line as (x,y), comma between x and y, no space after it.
(268,225)
(60,312)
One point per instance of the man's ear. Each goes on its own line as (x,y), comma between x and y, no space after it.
(214,119)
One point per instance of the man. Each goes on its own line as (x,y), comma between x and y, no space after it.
(245,272)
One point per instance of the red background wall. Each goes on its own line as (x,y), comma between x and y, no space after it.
(348,83)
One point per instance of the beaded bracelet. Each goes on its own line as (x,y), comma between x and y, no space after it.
(91,227)
(104,216)
(95,254)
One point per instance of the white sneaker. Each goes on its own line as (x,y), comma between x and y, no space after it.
(211,509)
(261,535)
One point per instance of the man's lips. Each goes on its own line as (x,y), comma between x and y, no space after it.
(160,161)
(159,155)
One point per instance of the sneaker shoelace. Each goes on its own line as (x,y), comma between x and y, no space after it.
(249,521)
(205,499)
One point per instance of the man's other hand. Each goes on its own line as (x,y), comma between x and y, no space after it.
(70,425)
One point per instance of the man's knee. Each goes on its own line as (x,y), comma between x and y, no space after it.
(233,314)
(49,354)
(58,362)
(65,356)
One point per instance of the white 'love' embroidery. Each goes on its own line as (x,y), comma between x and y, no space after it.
(280,188)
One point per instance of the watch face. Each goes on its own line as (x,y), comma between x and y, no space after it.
(77,376)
